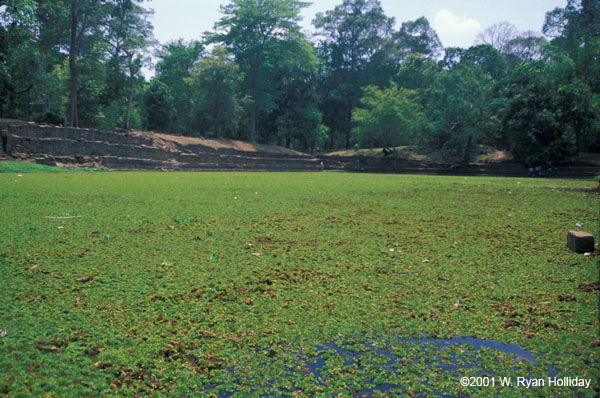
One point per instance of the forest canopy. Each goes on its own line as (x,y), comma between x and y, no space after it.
(361,79)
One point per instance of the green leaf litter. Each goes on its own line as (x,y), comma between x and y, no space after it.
(233,284)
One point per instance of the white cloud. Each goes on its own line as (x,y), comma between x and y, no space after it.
(455,31)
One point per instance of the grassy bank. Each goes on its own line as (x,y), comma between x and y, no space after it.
(19,166)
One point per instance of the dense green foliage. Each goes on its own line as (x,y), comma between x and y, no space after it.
(387,118)
(358,81)
(219,105)
(174,68)
(181,284)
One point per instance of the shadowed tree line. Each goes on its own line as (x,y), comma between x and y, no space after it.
(360,79)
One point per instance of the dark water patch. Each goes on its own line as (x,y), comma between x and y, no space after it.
(512,349)
(387,365)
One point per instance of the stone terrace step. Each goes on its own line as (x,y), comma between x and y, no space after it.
(67,147)
(33,130)
(129,151)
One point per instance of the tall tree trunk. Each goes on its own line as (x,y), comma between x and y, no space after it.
(128,113)
(188,119)
(467,149)
(252,122)
(349,127)
(28,104)
(253,112)
(46,89)
(130,96)
(73,120)
(253,93)
(331,141)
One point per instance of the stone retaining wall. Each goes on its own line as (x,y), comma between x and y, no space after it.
(129,151)
(504,169)
(53,145)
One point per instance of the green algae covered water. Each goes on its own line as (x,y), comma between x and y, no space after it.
(203,284)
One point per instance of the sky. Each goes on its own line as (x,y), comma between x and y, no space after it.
(457,22)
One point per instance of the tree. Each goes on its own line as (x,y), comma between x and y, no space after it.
(52,17)
(418,37)
(483,55)
(20,57)
(41,35)
(498,36)
(452,57)
(54,31)
(525,48)
(18,71)
(21,12)
(548,111)
(177,60)
(296,119)
(388,117)
(7,89)
(575,31)
(130,34)
(353,37)
(250,29)
(157,105)
(216,80)
(487,58)
(460,111)
(417,73)
(86,18)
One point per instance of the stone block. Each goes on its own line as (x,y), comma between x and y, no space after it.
(580,242)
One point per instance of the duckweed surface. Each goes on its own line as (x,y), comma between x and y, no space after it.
(292,284)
